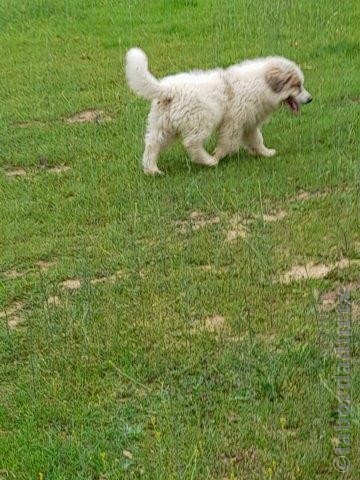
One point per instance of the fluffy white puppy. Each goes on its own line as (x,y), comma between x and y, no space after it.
(235,102)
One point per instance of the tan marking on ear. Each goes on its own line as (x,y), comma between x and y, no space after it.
(274,79)
(278,79)
(295,81)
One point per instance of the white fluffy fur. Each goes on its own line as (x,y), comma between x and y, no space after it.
(235,102)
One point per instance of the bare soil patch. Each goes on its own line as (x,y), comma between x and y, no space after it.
(248,456)
(110,278)
(71,284)
(75,283)
(53,301)
(240,225)
(214,323)
(41,265)
(16,172)
(89,116)
(272,217)
(12,315)
(329,300)
(196,221)
(45,265)
(304,195)
(14,322)
(14,308)
(12,274)
(311,270)
(212,268)
(58,169)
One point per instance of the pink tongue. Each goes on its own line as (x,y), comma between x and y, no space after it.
(293,105)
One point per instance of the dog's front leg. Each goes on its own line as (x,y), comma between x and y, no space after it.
(228,142)
(254,142)
(198,153)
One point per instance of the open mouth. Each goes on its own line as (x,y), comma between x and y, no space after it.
(292,104)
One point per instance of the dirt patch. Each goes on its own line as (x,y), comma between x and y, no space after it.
(71,284)
(45,265)
(267,338)
(214,323)
(53,301)
(89,116)
(232,235)
(16,172)
(58,169)
(239,224)
(15,322)
(272,217)
(303,195)
(127,454)
(75,284)
(212,268)
(111,278)
(355,99)
(329,300)
(299,272)
(240,231)
(42,265)
(11,315)
(44,164)
(238,228)
(12,274)
(21,172)
(310,270)
(244,456)
(14,308)
(196,221)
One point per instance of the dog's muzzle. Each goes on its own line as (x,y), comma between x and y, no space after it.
(304,97)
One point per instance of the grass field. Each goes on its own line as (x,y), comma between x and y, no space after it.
(149,327)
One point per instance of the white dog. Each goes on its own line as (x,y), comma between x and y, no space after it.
(235,102)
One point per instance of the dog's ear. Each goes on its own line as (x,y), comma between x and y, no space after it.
(277,79)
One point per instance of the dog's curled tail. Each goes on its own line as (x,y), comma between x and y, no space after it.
(138,76)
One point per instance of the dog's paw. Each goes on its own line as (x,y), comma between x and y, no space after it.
(268,152)
(263,152)
(207,161)
(153,171)
(212,163)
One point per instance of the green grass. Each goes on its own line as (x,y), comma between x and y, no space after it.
(126,366)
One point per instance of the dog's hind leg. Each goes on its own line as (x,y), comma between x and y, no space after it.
(156,139)
(254,142)
(149,159)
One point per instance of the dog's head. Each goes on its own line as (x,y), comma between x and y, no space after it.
(286,81)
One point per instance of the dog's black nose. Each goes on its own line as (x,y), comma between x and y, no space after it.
(309,100)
